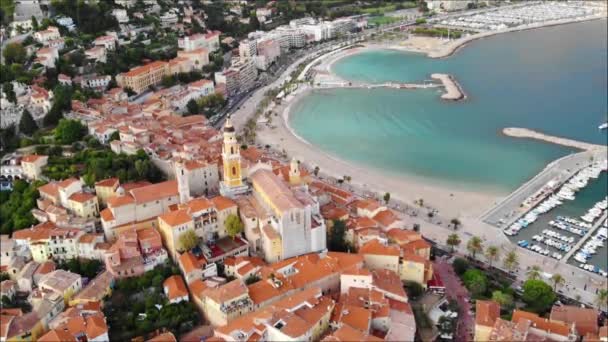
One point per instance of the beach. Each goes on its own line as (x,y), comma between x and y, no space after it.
(450,201)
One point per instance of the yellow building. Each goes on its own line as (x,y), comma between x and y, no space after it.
(415,268)
(271,244)
(84,205)
(139,79)
(105,189)
(486,313)
(171,226)
(231,157)
(379,256)
(232,183)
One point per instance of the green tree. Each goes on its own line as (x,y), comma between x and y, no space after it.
(387,197)
(192,107)
(316,171)
(252,279)
(492,254)
(335,240)
(14,53)
(188,240)
(511,261)
(455,222)
(460,265)
(34,23)
(4,276)
(27,125)
(69,131)
(504,299)
(557,281)
(475,281)
(475,246)
(234,226)
(413,289)
(453,241)
(534,272)
(538,296)
(601,300)
(114,136)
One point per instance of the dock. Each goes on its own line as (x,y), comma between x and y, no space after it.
(517,132)
(578,245)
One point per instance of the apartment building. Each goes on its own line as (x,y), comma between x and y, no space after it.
(247,48)
(141,78)
(138,208)
(47,56)
(108,42)
(199,57)
(206,217)
(209,41)
(96,54)
(486,314)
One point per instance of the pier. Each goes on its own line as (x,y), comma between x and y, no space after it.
(453,91)
(531,134)
(393,85)
(578,245)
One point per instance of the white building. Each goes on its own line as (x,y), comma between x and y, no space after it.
(196,178)
(209,41)
(247,48)
(108,42)
(50,33)
(120,15)
(168,19)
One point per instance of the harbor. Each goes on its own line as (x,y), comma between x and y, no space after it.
(568,226)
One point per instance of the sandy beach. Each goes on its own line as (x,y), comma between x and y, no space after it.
(450,201)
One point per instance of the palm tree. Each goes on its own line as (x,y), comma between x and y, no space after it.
(602,299)
(511,261)
(557,280)
(492,254)
(474,246)
(455,222)
(453,241)
(534,273)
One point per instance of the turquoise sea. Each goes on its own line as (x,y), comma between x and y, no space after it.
(551,79)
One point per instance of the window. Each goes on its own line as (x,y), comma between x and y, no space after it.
(234,171)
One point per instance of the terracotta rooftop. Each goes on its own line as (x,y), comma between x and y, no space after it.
(109,182)
(176,218)
(487,312)
(584,319)
(32,158)
(541,323)
(222,203)
(81,197)
(175,287)
(155,191)
(377,248)
(138,71)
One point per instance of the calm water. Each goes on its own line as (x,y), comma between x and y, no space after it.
(551,79)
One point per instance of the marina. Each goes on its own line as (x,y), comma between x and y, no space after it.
(573,229)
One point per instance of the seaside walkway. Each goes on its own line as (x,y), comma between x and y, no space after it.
(578,245)
(394,85)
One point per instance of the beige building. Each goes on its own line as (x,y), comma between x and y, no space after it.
(486,313)
(32,165)
(105,189)
(223,304)
(139,79)
(138,208)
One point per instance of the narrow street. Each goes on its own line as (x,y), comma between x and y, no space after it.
(455,290)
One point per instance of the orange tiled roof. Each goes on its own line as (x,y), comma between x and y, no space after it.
(106,215)
(189,262)
(541,323)
(175,287)
(155,191)
(377,248)
(388,281)
(164,337)
(119,201)
(354,316)
(110,182)
(584,319)
(222,203)
(81,197)
(487,312)
(31,158)
(176,218)
(145,69)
